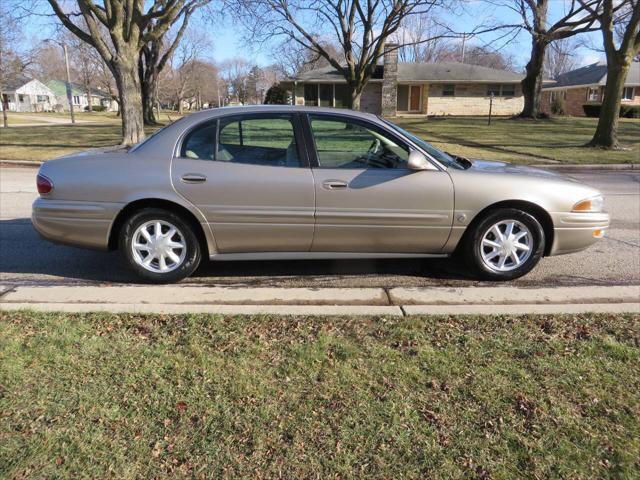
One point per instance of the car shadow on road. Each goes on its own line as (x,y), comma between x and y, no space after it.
(25,257)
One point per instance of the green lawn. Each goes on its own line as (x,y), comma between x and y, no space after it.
(106,396)
(559,139)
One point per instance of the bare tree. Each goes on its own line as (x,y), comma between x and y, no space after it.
(292,58)
(12,63)
(423,40)
(534,15)
(235,72)
(184,64)
(560,57)
(360,29)
(155,54)
(85,66)
(130,26)
(620,27)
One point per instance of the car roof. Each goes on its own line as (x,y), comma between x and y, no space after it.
(248,109)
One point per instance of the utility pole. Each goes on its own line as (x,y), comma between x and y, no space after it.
(68,86)
(464,44)
(69,91)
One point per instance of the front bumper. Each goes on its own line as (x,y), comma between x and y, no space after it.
(81,224)
(575,231)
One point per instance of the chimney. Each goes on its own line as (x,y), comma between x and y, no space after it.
(390,80)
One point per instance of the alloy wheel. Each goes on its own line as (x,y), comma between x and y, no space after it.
(506,245)
(158,246)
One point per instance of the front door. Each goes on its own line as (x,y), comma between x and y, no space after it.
(414,98)
(367,200)
(250,177)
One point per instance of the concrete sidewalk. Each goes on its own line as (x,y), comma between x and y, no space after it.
(322,301)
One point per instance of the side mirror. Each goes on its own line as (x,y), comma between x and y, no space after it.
(417,161)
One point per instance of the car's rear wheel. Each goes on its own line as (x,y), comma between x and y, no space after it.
(159,246)
(504,245)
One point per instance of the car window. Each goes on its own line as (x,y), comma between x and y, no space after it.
(268,141)
(343,143)
(200,143)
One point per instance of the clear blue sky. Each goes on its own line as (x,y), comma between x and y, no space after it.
(228,42)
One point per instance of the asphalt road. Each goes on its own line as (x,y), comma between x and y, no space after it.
(27,259)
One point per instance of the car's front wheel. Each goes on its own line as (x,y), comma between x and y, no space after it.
(505,244)
(159,246)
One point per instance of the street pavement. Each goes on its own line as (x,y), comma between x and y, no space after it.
(26,259)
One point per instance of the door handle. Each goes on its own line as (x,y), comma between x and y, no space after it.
(335,185)
(193,178)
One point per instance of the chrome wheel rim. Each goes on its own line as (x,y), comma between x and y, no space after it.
(158,246)
(506,246)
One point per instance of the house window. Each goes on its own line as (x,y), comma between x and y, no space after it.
(76,99)
(448,90)
(558,94)
(311,94)
(493,90)
(627,93)
(42,99)
(21,98)
(508,90)
(326,94)
(592,95)
(342,96)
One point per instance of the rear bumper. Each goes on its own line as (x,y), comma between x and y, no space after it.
(80,224)
(573,232)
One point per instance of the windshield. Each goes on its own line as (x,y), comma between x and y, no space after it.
(439,155)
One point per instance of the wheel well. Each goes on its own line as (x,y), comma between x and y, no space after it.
(138,205)
(536,211)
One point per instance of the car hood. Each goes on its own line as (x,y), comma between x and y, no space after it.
(492,167)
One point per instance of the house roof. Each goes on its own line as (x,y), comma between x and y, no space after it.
(433,72)
(595,74)
(59,88)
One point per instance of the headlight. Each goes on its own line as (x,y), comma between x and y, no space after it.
(593,204)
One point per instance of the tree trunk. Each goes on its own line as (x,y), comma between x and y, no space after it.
(148,112)
(87,91)
(356,94)
(606,135)
(532,82)
(130,103)
(5,105)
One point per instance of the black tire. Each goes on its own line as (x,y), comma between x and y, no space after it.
(190,260)
(473,248)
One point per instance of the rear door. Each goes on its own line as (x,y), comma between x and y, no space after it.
(249,175)
(367,200)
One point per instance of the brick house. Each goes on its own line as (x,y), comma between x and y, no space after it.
(585,86)
(416,89)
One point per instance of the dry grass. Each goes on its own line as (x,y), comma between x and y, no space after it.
(124,396)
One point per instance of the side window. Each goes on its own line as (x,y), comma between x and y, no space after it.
(342,143)
(268,141)
(200,143)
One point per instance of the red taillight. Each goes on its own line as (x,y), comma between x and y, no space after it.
(45,185)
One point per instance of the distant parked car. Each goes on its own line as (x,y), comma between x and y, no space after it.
(274,182)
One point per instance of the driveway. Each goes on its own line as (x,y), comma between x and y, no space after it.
(26,259)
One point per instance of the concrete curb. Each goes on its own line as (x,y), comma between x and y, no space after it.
(322,301)
(499,295)
(327,310)
(20,163)
(167,308)
(195,295)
